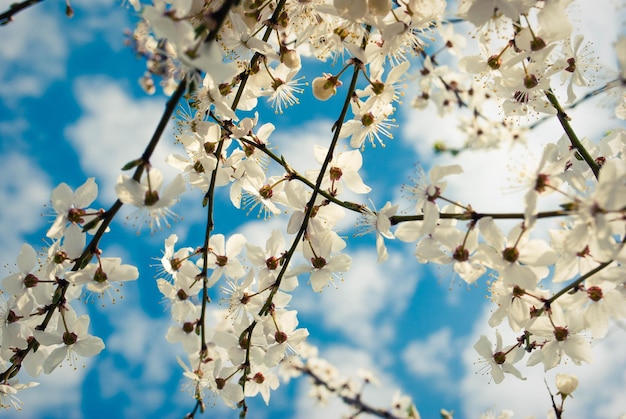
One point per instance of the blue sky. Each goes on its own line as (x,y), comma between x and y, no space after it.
(71,108)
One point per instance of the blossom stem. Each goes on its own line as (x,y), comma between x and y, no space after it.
(453,203)
(576,143)
(470,228)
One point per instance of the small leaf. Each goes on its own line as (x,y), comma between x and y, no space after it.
(91,224)
(132,164)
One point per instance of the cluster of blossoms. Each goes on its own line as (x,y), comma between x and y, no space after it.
(40,327)
(230,55)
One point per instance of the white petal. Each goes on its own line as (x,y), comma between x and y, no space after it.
(54,359)
(234,244)
(89,346)
(86,193)
(354,182)
(27,258)
(62,198)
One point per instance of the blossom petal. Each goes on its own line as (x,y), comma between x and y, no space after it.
(27,258)
(86,193)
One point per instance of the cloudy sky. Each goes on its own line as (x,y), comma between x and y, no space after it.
(71,108)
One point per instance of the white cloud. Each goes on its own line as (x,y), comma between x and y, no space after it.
(296,145)
(96,20)
(366,304)
(139,363)
(14,129)
(146,365)
(24,189)
(494,180)
(59,391)
(257,232)
(115,129)
(33,53)
(430,357)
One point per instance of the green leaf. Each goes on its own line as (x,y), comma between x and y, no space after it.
(132,164)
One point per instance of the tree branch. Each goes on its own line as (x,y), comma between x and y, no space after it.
(15,8)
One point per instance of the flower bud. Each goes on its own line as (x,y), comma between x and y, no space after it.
(69,11)
(325,87)
(566,384)
(291,59)
(147,84)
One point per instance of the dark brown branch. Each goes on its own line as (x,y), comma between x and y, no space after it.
(15,8)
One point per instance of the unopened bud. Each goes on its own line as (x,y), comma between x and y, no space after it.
(566,384)
(69,12)
(324,87)
(291,59)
